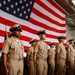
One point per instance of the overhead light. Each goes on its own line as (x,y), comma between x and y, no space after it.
(73,1)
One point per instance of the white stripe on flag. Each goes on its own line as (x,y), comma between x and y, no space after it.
(52,7)
(43,11)
(46,22)
(2,27)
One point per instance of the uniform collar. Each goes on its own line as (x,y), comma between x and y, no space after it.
(14,39)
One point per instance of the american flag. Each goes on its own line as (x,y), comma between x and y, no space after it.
(33,15)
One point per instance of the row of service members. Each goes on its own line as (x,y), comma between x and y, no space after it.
(13,50)
(37,60)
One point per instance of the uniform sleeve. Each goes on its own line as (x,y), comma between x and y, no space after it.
(36,48)
(68,49)
(58,49)
(23,49)
(28,52)
(49,52)
(22,45)
(6,47)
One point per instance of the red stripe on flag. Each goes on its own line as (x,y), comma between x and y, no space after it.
(49,9)
(34,31)
(9,23)
(1,45)
(46,26)
(56,6)
(2,33)
(23,37)
(6,22)
(47,18)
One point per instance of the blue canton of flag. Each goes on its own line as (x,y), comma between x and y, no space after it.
(19,8)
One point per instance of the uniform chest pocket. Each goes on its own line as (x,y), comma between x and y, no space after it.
(31,53)
(12,47)
(72,51)
(52,53)
(22,46)
(41,47)
(22,49)
(61,50)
